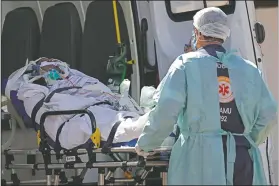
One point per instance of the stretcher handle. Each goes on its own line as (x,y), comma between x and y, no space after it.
(66,112)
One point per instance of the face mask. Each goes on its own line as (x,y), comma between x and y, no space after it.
(194,41)
(52,76)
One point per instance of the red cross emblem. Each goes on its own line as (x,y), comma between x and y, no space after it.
(225,92)
(223,89)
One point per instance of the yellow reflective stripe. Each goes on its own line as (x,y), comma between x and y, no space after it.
(96,138)
(38,137)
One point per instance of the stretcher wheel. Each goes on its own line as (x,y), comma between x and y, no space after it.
(63,178)
(77,180)
(3,182)
(15,179)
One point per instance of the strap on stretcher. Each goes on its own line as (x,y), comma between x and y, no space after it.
(108,144)
(47,99)
(96,136)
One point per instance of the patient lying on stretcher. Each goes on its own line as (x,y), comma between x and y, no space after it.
(48,75)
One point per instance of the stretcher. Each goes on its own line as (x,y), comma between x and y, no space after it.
(69,159)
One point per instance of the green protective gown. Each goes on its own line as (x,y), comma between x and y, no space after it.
(188,96)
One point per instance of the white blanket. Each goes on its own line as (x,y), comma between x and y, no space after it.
(77,129)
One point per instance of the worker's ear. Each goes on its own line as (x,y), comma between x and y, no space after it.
(201,36)
(198,34)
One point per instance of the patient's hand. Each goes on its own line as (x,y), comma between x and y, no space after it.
(140,152)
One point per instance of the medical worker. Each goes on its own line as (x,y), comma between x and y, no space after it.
(222,107)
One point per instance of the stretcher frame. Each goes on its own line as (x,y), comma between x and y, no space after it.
(73,161)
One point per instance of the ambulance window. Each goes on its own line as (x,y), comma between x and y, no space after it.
(186,6)
(266,4)
(217,3)
(185,10)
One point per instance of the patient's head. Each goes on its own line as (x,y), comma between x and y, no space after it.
(46,68)
(50,67)
(48,59)
(49,70)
